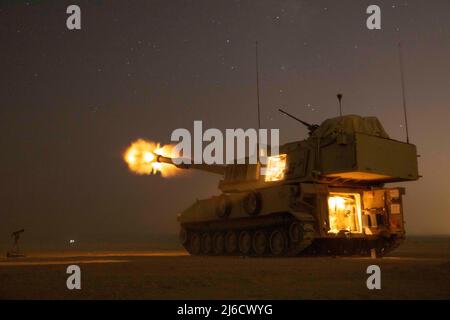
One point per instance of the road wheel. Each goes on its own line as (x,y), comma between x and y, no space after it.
(278,242)
(295,232)
(252,203)
(218,243)
(231,242)
(260,242)
(195,243)
(224,206)
(245,242)
(206,243)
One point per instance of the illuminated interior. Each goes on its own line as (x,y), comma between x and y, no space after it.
(275,168)
(344,211)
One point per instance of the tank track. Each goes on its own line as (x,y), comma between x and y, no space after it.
(352,247)
(282,237)
(286,237)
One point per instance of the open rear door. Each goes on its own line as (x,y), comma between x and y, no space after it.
(395,209)
(383,211)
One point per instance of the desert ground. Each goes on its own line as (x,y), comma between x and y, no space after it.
(419,269)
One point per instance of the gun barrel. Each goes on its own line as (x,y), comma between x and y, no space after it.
(213,168)
(163,159)
(311,127)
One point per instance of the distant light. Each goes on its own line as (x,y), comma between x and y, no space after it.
(71,241)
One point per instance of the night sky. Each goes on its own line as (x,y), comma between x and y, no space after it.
(72,101)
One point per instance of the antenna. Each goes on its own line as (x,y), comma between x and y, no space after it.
(400,56)
(339,96)
(257,85)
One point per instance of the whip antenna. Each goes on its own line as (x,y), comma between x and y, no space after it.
(339,96)
(400,56)
(257,86)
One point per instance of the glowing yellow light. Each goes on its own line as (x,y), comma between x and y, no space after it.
(148,157)
(131,156)
(141,158)
(344,211)
(275,168)
(336,202)
(157,165)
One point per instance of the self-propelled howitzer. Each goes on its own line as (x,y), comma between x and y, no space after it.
(322,195)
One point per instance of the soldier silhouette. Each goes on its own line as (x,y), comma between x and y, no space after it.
(15,252)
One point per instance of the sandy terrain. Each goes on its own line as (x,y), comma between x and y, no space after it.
(420,268)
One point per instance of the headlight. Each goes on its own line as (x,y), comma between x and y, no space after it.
(275,167)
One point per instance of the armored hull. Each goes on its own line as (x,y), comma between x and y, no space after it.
(295,219)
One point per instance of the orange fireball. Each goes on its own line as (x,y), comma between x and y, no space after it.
(141,158)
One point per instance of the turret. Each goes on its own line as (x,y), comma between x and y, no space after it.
(346,150)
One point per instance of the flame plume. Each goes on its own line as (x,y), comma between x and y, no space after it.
(141,158)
